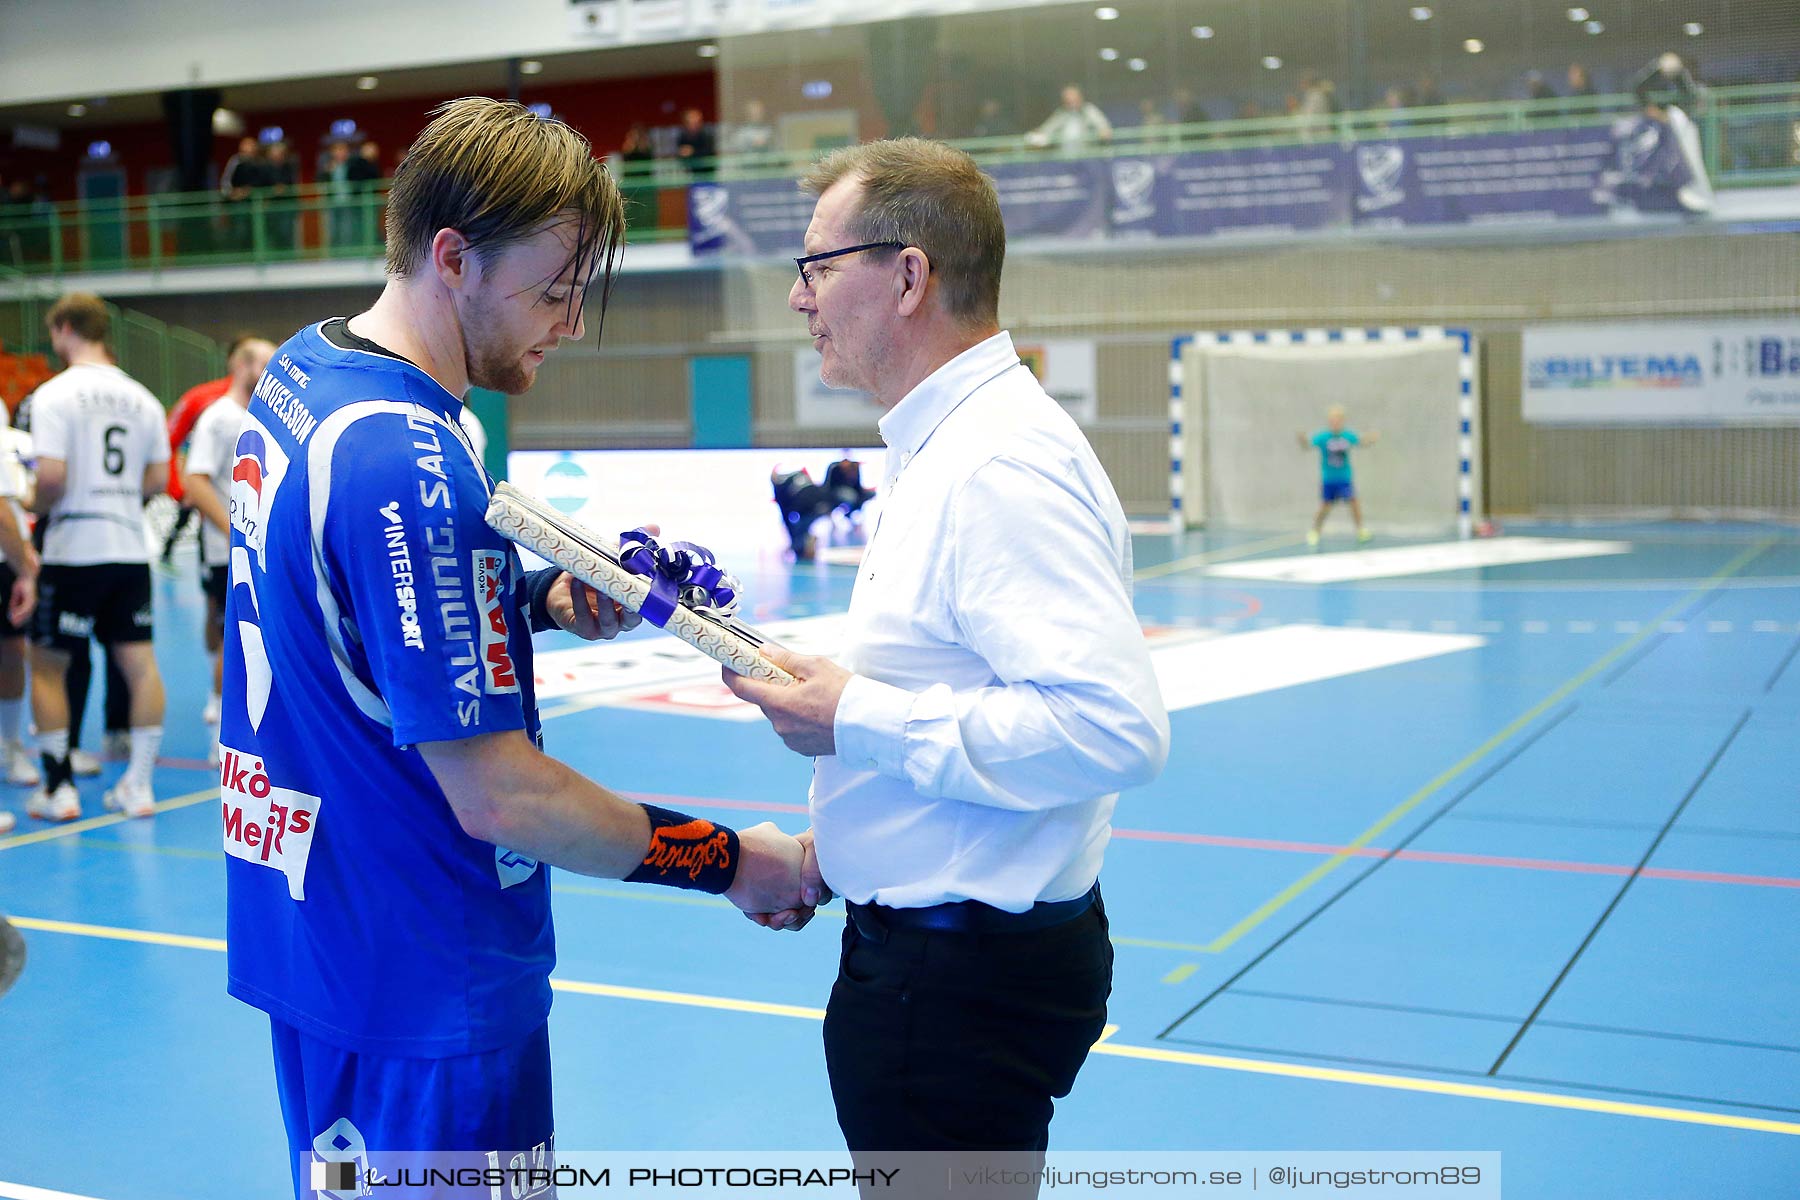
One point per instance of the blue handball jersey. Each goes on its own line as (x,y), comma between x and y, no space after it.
(371,608)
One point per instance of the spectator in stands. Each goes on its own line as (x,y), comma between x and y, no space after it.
(1426,93)
(340,190)
(1537,87)
(635,184)
(1075,126)
(991,120)
(245,172)
(636,147)
(25,198)
(1318,100)
(754,134)
(1154,126)
(697,145)
(1579,83)
(282,178)
(1188,110)
(1665,80)
(365,172)
(370,153)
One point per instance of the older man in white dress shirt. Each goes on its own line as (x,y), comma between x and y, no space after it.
(994,694)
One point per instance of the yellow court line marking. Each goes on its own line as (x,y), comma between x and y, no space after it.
(74,827)
(687,999)
(1288,894)
(114,934)
(1441,1087)
(1153,944)
(1182,973)
(1445,1087)
(1224,554)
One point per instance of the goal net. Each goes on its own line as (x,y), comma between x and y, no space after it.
(1238,399)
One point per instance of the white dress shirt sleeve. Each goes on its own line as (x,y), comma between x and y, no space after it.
(1034,588)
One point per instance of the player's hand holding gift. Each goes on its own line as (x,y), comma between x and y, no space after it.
(678,587)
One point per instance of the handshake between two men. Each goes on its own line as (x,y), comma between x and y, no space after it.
(776,881)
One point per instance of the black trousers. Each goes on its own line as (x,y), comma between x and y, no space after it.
(962,1042)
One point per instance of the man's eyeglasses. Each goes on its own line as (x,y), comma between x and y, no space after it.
(806,276)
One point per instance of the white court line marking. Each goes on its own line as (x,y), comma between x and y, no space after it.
(1767,627)
(1348,565)
(1674,626)
(1718,627)
(1582,626)
(1625,626)
(1535,627)
(1193,668)
(1443,627)
(1247,664)
(20,1191)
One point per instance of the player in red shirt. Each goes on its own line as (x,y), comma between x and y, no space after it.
(187,410)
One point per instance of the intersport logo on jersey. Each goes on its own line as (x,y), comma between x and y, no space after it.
(265,825)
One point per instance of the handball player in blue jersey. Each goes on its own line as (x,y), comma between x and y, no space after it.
(389,815)
(1336,486)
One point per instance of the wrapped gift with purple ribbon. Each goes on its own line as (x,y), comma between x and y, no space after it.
(677,587)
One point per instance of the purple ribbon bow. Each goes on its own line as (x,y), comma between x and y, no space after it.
(679,573)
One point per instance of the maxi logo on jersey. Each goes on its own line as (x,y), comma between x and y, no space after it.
(490,594)
(266,825)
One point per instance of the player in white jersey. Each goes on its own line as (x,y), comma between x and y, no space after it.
(102,450)
(206,482)
(471,425)
(18,583)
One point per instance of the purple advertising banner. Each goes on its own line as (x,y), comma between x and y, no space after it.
(1236,192)
(1636,164)
(1483,178)
(1063,198)
(759,217)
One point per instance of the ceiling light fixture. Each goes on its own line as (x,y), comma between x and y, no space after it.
(1108,54)
(1203,32)
(531,66)
(1106,14)
(1474,46)
(1272,63)
(367,83)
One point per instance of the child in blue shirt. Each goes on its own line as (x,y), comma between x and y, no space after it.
(1335,484)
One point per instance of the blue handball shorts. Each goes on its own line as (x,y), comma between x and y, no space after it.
(1331,493)
(472,1111)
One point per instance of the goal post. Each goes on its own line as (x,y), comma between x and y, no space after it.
(1237,398)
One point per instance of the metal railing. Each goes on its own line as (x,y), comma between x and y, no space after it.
(165,358)
(1750,136)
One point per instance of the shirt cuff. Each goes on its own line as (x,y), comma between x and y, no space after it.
(870,726)
(535,588)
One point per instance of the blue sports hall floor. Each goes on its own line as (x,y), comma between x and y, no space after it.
(1480,846)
